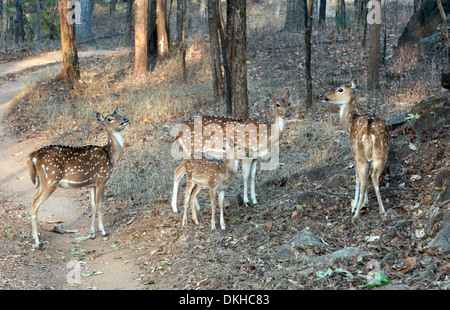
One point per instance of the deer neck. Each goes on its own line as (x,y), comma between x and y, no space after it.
(347,114)
(115,146)
(231,166)
(278,127)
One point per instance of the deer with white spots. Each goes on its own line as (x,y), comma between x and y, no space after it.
(254,134)
(214,174)
(369,141)
(64,166)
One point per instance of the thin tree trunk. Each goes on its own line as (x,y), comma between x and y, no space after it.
(308,32)
(128,21)
(141,37)
(444,21)
(373,67)
(239,97)
(39,23)
(183,42)
(5,21)
(70,70)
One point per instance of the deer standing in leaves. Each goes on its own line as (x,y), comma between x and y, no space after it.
(369,141)
(64,166)
(256,135)
(214,174)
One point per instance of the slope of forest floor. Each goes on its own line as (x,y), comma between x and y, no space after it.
(301,234)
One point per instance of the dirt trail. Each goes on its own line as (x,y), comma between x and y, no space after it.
(98,255)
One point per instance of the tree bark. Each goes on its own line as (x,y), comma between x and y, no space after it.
(141,37)
(322,11)
(84,28)
(5,21)
(128,21)
(183,41)
(308,32)
(163,42)
(373,67)
(214,47)
(239,97)
(39,22)
(70,70)
(20,31)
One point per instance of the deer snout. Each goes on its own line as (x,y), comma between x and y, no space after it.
(287,114)
(125,120)
(323,97)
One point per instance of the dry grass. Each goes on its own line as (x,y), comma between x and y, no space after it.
(161,100)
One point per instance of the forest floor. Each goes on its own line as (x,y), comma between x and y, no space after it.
(300,236)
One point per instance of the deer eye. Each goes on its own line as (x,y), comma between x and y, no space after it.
(278,105)
(110,119)
(341,90)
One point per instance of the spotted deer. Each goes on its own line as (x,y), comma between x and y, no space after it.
(254,134)
(369,141)
(215,174)
(67,167)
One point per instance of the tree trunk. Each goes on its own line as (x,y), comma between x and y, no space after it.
(183,41)
(341,16)
(5,21)
(152,35)
(39,21)
(20,31)
(322,11)
(112,7)
(128,21)
(84,28)
(421,25)
(163,42)
(308,32)
(70,70)
(373,67)
(180,20)
(216,64)
(239,97)
(141,37)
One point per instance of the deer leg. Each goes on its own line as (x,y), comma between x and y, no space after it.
(194,203)
(363,170)
(99,198)
(189,187)
(221,197)
(94,211)
(177,175)
(377,170)
(212,197)
(246,166)
(355,201)
(41,195)
(252,181)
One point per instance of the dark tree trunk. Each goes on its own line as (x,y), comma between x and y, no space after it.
(129,18)
(70,70)
(322,11)
(20,31)
(84,28)
(216,64)
(373,67)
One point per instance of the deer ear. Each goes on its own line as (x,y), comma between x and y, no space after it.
(272,97)
(286,95)
(117,111)
(99,117)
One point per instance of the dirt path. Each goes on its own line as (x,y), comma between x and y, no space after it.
(103,262)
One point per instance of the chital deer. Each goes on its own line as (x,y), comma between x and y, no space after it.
(256,135)
(75,167)
(369,141)
(214,174)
